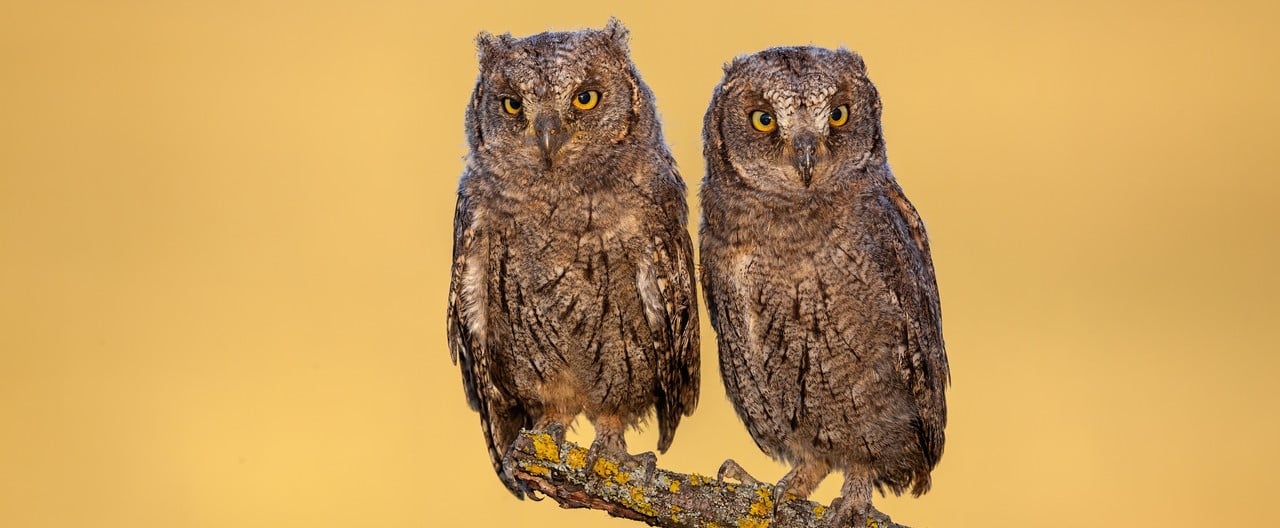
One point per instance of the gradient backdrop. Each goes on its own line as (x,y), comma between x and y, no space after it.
(225,228)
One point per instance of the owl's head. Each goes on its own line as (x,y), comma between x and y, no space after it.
(788,120)
(555,98)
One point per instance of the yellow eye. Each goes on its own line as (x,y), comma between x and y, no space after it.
(586,100)
(839,116)
(763,121)
(512,105)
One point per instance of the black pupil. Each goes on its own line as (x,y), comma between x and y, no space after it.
(584,97)
(515,103)
(837,114)
(765,119)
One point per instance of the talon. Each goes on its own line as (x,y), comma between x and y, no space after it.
(730,468)
(517,486)
(779,494)
(558,432)
(533,494)
(595,453)
(648,463)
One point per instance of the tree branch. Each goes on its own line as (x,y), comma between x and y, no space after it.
(633,489)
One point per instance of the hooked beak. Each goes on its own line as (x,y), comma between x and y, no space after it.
(806,146)
(551,137)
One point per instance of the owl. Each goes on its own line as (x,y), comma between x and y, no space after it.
(572,280)
(818,279)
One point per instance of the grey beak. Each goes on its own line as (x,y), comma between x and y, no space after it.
(551,137)
(806,147)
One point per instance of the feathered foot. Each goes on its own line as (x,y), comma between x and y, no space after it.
(611,442)
(798,483)
(730,468)
(853,505)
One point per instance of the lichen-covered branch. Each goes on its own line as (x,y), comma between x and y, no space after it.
(634,490)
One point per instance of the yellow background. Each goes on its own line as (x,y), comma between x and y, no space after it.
(225,226)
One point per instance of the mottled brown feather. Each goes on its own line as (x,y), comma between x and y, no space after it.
(572,286)
(819,282)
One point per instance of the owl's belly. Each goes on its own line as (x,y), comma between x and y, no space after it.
(573,336)
(816,375)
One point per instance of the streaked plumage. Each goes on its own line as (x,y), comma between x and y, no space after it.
(572,288)
(819,280)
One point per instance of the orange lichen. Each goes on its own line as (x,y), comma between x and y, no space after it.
(764,503)
(636,501)
(674,487)
(544,446)
(577,458)
(605,468)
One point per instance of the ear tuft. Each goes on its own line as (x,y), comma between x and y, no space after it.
(733,65)
(618,33)
(489,46)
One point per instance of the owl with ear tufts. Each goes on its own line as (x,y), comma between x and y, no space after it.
(819,281)
(572,282)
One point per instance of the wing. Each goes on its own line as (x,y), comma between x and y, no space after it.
(500,417)
(924,364)
(666,288)
(730,288)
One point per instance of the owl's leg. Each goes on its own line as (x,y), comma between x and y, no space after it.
(730,468)
(610,435)
(803,478)
(555,424)
(611,443)
(854,503)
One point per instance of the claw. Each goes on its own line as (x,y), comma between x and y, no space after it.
(730,468)
(648,463)
(780,492)
(508,477)
(595,452)
(557,431)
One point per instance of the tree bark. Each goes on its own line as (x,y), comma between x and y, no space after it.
(636,489)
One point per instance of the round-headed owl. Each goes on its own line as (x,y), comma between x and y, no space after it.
(572,283)
(818,279)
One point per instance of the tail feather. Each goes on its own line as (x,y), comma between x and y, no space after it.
(669,415)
